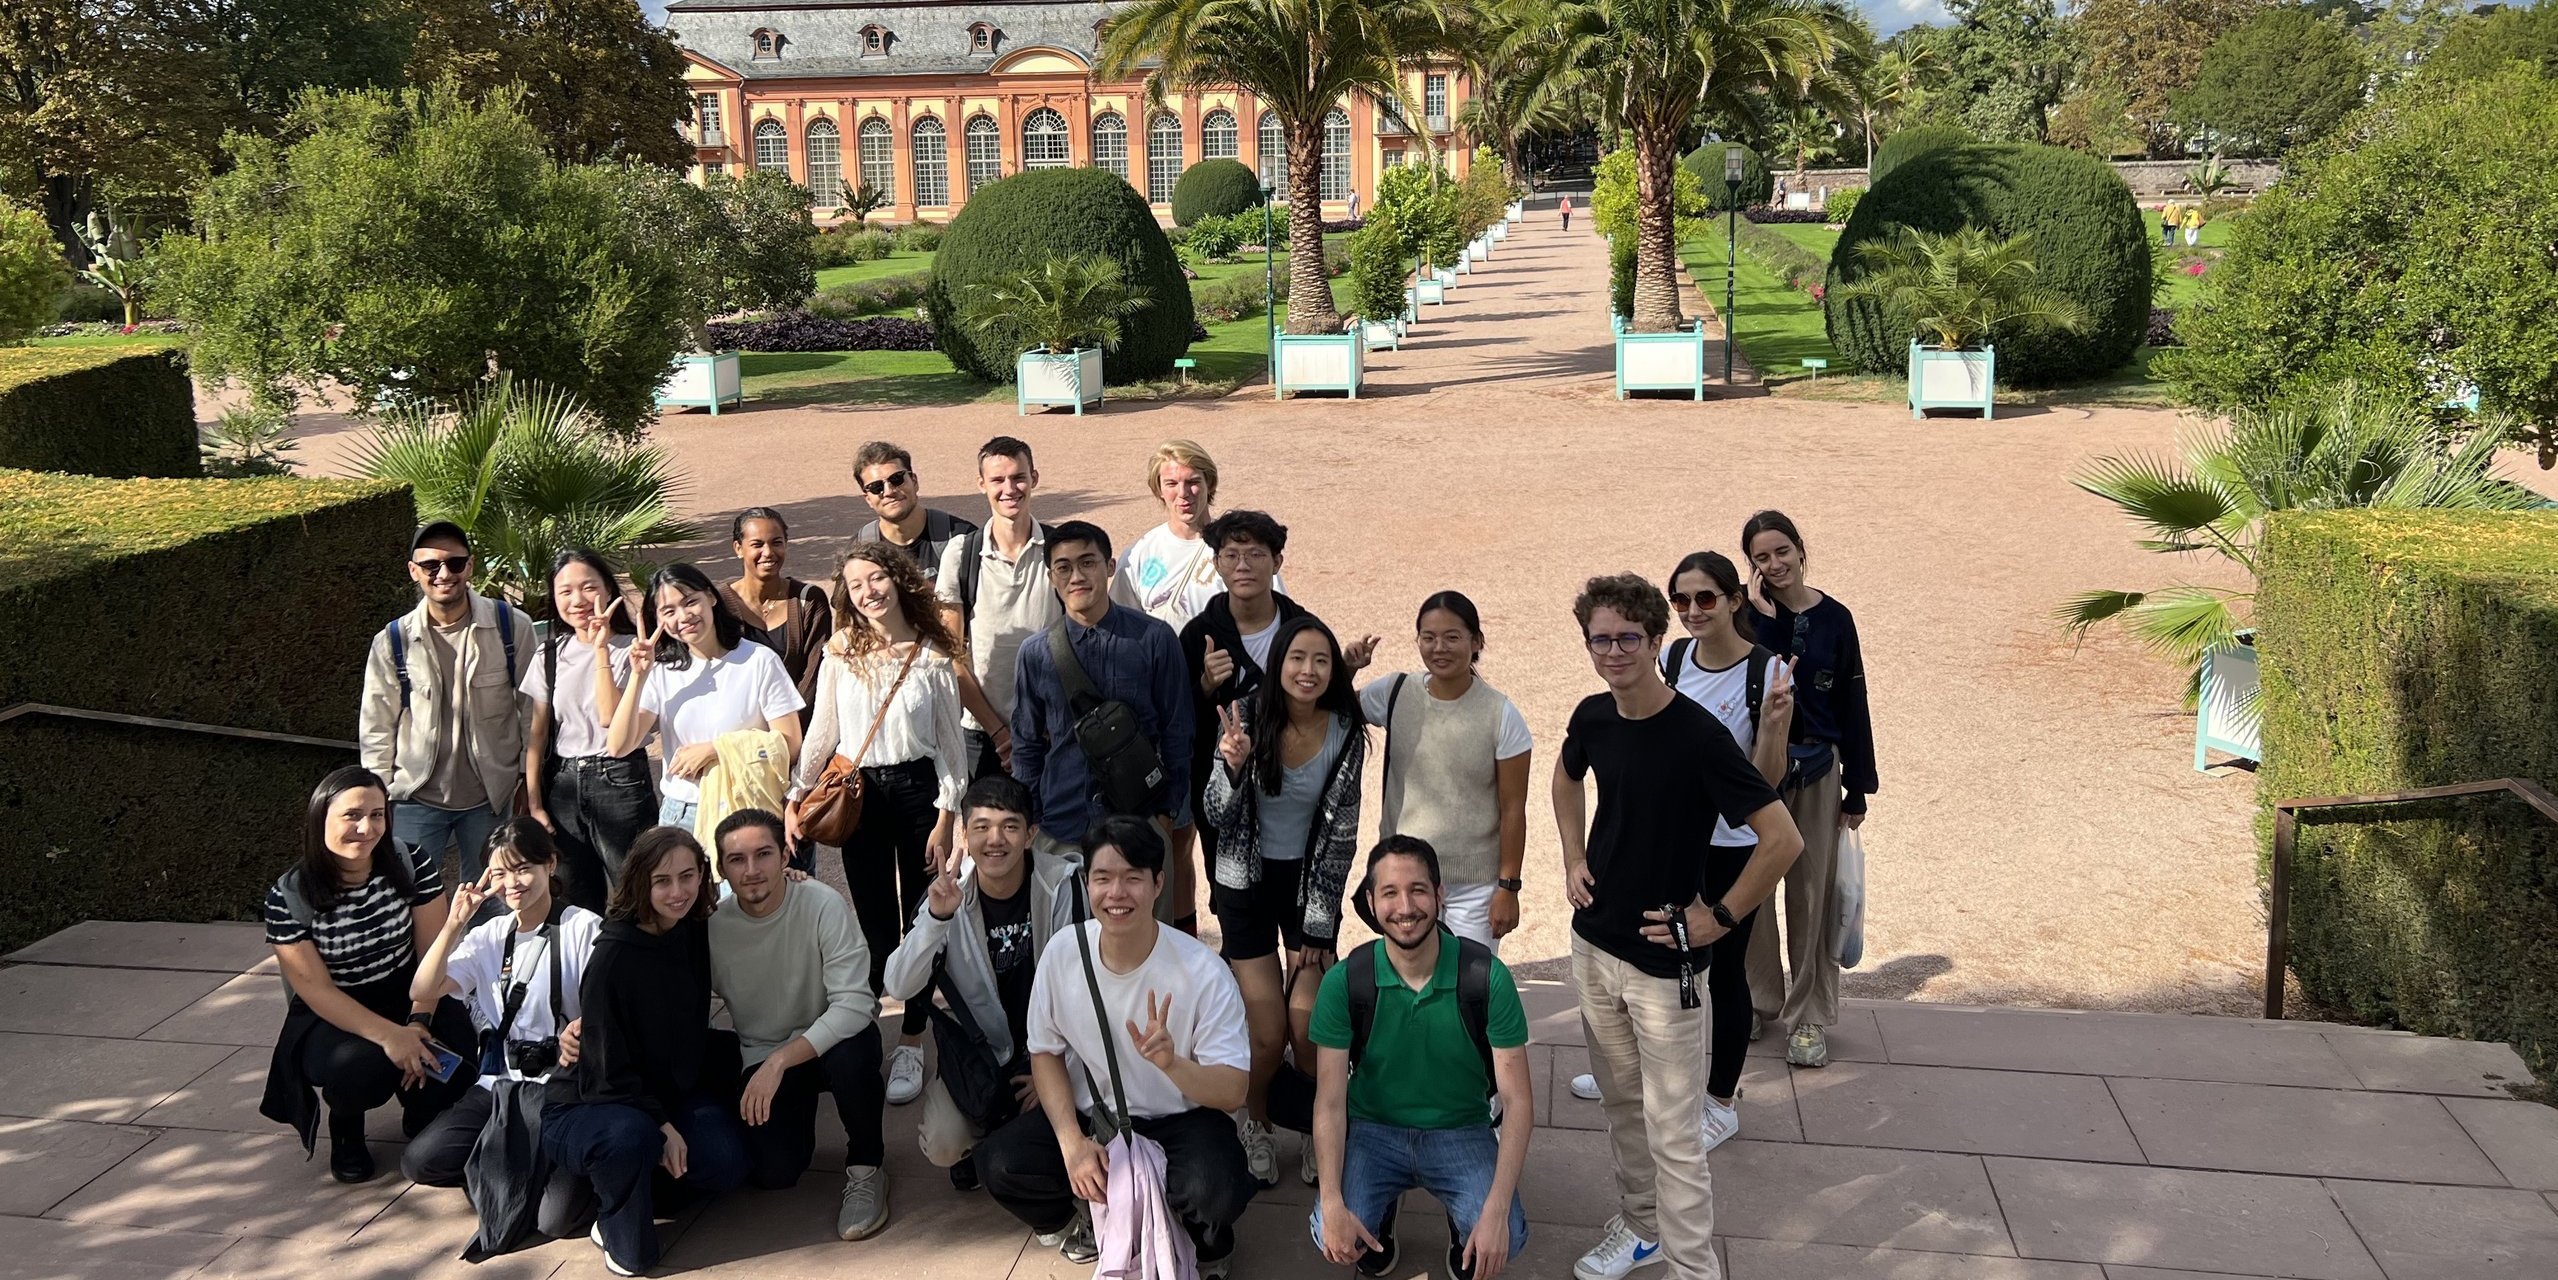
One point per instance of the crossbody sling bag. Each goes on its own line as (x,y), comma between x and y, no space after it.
(1109,1119)
(1126,770)
(493,1042)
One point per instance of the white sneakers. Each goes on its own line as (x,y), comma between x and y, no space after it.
(1618,1252)
(1585,1087)
(1260,1153)
(1309,1169)
(905,1074)
(597,1235)
(1722,1122)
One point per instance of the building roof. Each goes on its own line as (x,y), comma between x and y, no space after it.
(925,37)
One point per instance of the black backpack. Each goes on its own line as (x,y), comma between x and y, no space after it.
(1754,682)
(1127,771)
(1474,999)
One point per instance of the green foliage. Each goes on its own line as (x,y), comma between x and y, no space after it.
(1233,298)
(1219,238)
(1612,198)
(870,297)
(528,472)
(2149,51)
(1798,267)
(2410,251)
(2005,65)
(1621,276)
(1419,204)
(1380,268)
(32,276)
(1842,203)
(2403,650)
(2481,45)
(100,411)
(1214,189)
(1959,287)
(1019,225)
(1909,144)
(210,565)
(2092,247)
(1706,165)
(1061,305)
(743,243)
(2096,118)
(2283,79)
(248,440)
(1484,196)
(602,82)
(862,201)
(919,237)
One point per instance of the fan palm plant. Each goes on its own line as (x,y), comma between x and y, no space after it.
(529,472)
(2348,449)
(1959,287)
(1655,64)
(1062,304)
(1302,59)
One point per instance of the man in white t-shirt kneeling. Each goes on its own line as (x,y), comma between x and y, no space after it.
(1172,1018)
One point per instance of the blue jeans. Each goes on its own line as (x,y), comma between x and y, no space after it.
(435,830)
(672,812)
(1455,1166)
(616,1147)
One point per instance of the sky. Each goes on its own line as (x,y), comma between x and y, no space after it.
(1887,16)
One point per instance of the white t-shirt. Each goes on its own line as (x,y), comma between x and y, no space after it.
(581,732)
(1172,577)
(479,960)
(1207,1022)
(1257,644)
(1726,693)
(1513,742)
(739,688)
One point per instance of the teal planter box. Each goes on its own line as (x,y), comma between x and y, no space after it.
(1498,231)
(1318,362)
(1432,290)
(1057,378)
(1953,380)
(1447,276)
(2226,713)
(1661,361)
(1381,335)
(702,380)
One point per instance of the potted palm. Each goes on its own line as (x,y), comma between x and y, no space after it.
(1956,289)
(1070,309)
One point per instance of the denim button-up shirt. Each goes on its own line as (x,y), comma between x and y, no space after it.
(1130,658)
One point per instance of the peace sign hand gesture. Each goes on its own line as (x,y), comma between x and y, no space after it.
(598,631)
(1154,1043)
(1234,746)
(1777,700)
(1357,654)
(941,893)
(644,653)
(467,900)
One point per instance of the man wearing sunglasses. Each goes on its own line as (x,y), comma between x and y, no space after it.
(440,720)
(886,474)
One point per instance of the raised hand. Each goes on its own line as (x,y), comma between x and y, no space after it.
(1215,668)
(1357,654)
(598,631)
(1154,1041)
(644,653)
(467,900)
(1234,746)
(941,893)
(1777,699)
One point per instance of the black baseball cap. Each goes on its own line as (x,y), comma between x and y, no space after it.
(438,530)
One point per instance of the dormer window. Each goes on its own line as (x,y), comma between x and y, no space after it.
(981,37)
(768,43)
(874,40)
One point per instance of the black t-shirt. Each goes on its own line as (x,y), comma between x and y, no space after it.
(1662,782)
(940,530)
(1008,942)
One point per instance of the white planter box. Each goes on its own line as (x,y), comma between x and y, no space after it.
(1498,231)
(1380,334)
(1479,250)
(2225,717)
(1447,275)
(1060,379)
(1953,380)
(703,380)
(1662,361)
(1432,290)
(1318,362)
(1516,211)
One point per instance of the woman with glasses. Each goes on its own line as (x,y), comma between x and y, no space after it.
(1829,774)
(695,676)
(781,613)
(593,803)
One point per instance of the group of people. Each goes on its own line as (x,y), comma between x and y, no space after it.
(1030,748)
(2173,217)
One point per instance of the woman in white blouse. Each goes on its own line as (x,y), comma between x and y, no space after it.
(887,678)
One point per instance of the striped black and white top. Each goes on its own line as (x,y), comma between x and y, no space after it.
(367,935)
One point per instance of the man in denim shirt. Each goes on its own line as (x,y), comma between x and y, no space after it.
(1130,658)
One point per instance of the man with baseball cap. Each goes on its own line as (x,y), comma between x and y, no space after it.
(440,720)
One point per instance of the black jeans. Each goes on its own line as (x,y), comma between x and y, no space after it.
(598,805)
(436,1158)
(778,1150)
(884,863)
(353,1076)
(983,759)
(1727,976)
(1205,1178)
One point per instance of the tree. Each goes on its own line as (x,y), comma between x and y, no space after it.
(1301,59)
(102,102)
(2007,63)
(1659,62)
(2482,44)
(269,51)
(2096,118)
(2152,50)
(1062,304)
(2283,79)
(601,82)
(31,273)
(1895,79)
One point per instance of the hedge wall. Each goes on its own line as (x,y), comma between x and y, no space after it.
(99,411)
(245,603)
(2413,649)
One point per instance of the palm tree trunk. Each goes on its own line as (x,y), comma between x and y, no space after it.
(1310,308)
(1656,233)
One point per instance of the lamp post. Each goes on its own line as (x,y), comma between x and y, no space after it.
(1732,158)
(1269,287)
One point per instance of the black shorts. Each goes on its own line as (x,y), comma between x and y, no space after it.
(1258,921)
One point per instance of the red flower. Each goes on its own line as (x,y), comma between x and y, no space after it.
(2196,268)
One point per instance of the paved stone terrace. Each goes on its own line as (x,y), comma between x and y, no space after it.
(1946,1143)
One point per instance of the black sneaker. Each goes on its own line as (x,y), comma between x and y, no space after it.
(963,1175)
(1457,1267)
(350,1160)
(1374,1263)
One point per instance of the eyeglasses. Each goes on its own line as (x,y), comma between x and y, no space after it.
(1244,554)
(895,480)
(1623,642)
(1680,600)
(455,566)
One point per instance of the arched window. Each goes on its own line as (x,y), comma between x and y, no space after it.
(1163,157)
(1219,139)
(1336,156)
(932,163)
(1043,141)
(825,165)
(772,146)
(1274,154)
(879,159)
(985,152)
(1110,143)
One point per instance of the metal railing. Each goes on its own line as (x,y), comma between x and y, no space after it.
(1439,122)
(16,710)
(711,137)
(1391,125)
(2287,818)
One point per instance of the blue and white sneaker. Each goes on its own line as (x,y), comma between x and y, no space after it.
(1617,1253)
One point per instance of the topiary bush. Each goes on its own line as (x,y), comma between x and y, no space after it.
(1706,162)
(1214,189)
(100,411)
(32,273)
(1910,144)
(2090,243)
(1842,203)
(1018,224)
(919,237)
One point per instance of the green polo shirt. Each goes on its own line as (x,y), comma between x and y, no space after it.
(1420,1070)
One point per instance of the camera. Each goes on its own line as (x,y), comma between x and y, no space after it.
(533,1057)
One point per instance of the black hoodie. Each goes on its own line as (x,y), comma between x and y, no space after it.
(1217,620)
(646,1001)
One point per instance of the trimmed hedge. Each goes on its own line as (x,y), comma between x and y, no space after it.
(1016,224)
(100,411)
(244,603)
(1910,144)
(2091,243)
(1799,267)
(2406,649)
(1214,189)
(1706,162)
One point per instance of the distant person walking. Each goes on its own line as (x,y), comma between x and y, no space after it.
(2193,225)
(2167,224)
(1563,205)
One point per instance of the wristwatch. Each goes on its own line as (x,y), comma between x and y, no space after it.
(1511,883)
(1723,915)
(426,1020)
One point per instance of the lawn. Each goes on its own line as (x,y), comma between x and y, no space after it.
(1777,328)
(113,340)
(1811,235)
(900,263)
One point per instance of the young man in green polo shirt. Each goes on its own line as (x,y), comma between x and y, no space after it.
(1417,1113)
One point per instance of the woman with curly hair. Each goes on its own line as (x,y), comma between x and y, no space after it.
(888,700)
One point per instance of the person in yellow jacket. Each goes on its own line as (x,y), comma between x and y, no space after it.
(2193,225)
(694,678)
(2167,224)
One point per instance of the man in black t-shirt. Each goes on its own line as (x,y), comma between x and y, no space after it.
(1635,876)
(886,475)
(974,944)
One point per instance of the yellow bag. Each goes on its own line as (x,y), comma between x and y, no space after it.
(753,773)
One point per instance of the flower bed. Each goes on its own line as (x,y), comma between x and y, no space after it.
(802,331)
(1770,213)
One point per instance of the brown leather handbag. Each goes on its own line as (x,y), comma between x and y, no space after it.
(832,810)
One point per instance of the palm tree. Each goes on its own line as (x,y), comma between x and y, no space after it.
(528,472)
(1061,304)
(1655,64)
(1301,58)
(2348,449)
(1895,77)
(1959,287)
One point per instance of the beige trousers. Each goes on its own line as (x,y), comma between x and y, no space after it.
(1643,1049)
(1811,932)
(945,1134)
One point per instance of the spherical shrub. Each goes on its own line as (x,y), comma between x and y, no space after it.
(1910,144)
(2090,244)
(1021,222)
(1706,162)
(1214,189)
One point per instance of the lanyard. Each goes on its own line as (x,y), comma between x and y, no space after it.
(550,934)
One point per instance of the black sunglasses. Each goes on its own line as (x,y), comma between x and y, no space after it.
(438,567)
(895,480)
(1704,599)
